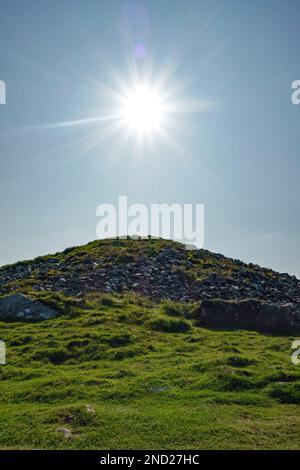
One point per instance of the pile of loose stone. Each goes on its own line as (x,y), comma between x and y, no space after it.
(167,273)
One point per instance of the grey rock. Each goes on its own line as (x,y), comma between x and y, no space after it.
(18,306)
(249,315)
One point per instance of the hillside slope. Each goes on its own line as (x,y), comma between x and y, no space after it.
(125,363)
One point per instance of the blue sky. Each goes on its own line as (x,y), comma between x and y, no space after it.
(239,156)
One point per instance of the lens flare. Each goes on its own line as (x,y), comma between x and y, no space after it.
(143,110)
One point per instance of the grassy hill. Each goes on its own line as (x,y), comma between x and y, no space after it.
(125,367)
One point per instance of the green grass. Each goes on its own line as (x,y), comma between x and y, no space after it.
(154,378)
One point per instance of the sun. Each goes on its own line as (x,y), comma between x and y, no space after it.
(143,110)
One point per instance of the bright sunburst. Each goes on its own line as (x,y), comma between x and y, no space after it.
(143,110)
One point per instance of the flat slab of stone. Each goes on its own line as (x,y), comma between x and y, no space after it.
(18,307)
(249,314)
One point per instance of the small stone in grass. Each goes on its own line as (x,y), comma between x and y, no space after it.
(65,431)
(90,409)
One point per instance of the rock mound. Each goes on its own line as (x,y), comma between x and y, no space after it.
(18,307)
(158,269)
(249,314)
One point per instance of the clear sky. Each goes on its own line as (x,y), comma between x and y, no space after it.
(238,153)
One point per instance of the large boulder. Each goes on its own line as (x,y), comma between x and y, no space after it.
(248,315)
(18,307)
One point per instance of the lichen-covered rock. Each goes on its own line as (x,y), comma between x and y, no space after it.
(249,314)
(18,307)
